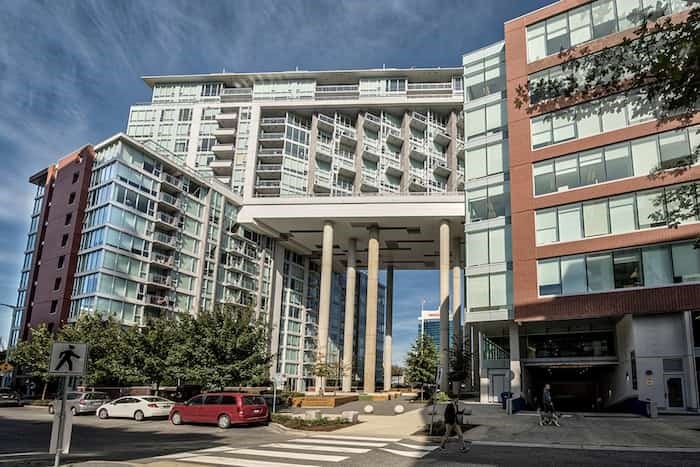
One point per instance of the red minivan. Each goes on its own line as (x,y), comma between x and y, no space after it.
(223,408)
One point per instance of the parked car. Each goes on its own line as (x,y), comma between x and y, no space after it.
(223,408)
(136,407)
(81,402)
(10,397)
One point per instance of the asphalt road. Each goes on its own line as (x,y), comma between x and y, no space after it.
(24,438)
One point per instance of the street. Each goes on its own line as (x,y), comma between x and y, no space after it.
(24,436)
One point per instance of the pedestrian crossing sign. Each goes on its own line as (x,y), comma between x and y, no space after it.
(68,359)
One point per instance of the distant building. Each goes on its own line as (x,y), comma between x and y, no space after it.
(429,323)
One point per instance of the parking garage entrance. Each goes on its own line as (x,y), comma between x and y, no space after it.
(578,388)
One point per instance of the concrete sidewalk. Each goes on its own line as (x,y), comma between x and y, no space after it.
(576,431)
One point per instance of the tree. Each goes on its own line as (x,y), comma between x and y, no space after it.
(152,349)
(422,361)
(226,346)
(323,370)
(460,363)
(657,69)
(32,355)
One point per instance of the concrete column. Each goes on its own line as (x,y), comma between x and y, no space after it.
(324,302)
(350,279)
(389,322)
(457,295)
(691,375)
(515,370)
(444,302)
(371,315)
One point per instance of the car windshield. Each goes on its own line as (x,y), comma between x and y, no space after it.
(96,396)
(253,400)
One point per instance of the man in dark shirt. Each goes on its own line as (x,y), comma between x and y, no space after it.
(450,419)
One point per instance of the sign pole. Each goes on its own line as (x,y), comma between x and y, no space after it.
(61,417)
(274,394)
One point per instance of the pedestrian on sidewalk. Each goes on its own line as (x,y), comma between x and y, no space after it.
(550,416)
(450,420)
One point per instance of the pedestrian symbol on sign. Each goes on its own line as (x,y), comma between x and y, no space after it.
(66,357)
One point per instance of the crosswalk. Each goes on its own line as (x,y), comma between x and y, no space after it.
(309,451)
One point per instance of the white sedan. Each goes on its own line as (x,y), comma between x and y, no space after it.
(136,407)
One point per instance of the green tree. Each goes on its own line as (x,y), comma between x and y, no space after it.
(152,350)
(657,68)
(422,361)
(224,347)
(112,355)
(324,370)
(32,355)
(460,363)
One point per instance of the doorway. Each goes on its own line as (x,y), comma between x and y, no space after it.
(674,392)
(497,385)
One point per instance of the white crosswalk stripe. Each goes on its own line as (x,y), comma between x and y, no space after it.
(416,451)
(419,447)
(289,455)
(216,460)
(336,442)
(413,454)
(311,447)
(358,438)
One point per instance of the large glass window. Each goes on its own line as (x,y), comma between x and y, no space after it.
(487,203)
(622,214)
(478,248)
(543,174)
(548,277)
(627,269)
(573,274)
(546,226)
(599,272)
(686,263)
(674,148)
(658,269)
(595,218)
(566,172)
(484,76)
(569,220)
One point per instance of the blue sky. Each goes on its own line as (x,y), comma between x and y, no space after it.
(69,71)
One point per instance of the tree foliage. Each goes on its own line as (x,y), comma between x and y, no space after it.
(225,347)
(422,361)
(460,363)
(656,68)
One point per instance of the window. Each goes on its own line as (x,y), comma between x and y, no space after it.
(546,226)
(570,224)
(54,306)
(212,400)
(487,292)
(484,76)
(64,240)
(478,248)
(185,115)
(167,115)
(485,119)
(196,400)
(566,172)
(599,272)
(627,270)
(603,13)
(592,167)
(617,162)
(61,260)
(658,269)
(228,400)
(57,283)
(487,203)
(580,25)
(543,172)
(674,148)
(211,89)
(71,198)
(395,85)
(645,155)
(622,214)
(595,218)
(209,113)
(649,214)
(573,274)
(548,277)
(76,176)
(536,42)
(686,263)
(69,217)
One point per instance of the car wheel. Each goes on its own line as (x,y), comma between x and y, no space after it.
(103,414)
(138,416)
(176,419)
(224,421)
(51,410)
(74,411)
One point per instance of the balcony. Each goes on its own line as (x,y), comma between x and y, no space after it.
(372,122)
(160,280)
(270,155)
(324,151)
(370,153)
(227,120)
(237,94)
(441,169)
(167,221)
(416,184)
(164,240)
(459,149)
(162,301)
(268,171)
(224,151)
(326,123)
(171,181)
(267,186)
(271,138)
(225,135)
(441,137)
(417,152)
(221,168)
(393,136)
(429,89)
(418,121)
(322,183)
(343,91)
(164,261)
(273,123)
(346,164)
(392,166)
(460,182)
(369,183)
(168,200)
(347,136)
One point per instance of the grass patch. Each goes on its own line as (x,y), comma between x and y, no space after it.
(323,424)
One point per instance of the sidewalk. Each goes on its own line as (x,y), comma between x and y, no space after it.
(576,431)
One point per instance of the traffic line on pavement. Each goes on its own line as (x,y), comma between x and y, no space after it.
(289,455)
(358,438)
(217,460)
(413,454)
(339,442)
(311,447)
(419,447)
(17,454)
(216,449)
(179,455)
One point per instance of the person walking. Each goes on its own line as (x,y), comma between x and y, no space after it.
(450,419)
(548,406)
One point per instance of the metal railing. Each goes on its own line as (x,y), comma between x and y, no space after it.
(167,218)
(171,179)
(273,120)
(168,198)
(326,119)
(236,91)
(160,279)
(267,183)
(162,259)
(269,167)
(430,86)
(341,88)
(269,152)
(164,238)
(268,135)
(373,118)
